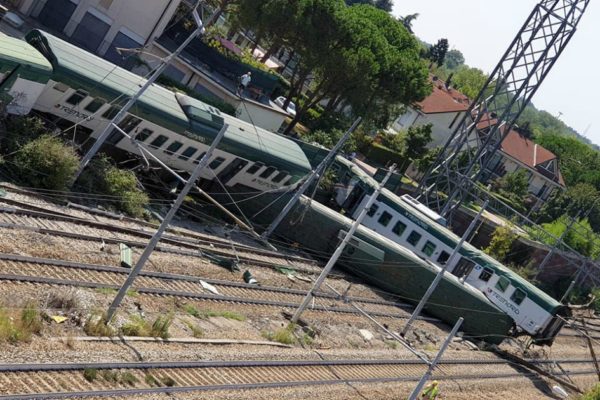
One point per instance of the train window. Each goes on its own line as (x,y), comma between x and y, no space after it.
(414,238)
(77,97)
(486,274)
(399,228)
(95,105)
(61,87)
(429,248)
(187,153)
(159,141)
(385,218)
(502,284)
(267,172)
(197,160)
(144,135)
(463,267)
(279,177)
(518,296)
(173,147)
(372,210)
(111,112)
(443,258)
(216,163)
(254,168)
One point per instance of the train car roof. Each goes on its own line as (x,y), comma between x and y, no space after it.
(13,52)
(81,69)
(255,143)
(450,238)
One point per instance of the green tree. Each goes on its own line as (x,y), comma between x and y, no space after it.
(469,81)
(415,141)
(437,52)
(454,59)
(46,162)
(582,199)
(408,20)
(385,5)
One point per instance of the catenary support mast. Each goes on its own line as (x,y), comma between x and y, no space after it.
(468,156)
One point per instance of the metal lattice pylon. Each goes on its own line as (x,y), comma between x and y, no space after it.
(464,159)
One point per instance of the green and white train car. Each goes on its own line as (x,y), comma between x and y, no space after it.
(73,86)
(414,226)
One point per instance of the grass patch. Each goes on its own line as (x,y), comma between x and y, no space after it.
(110,376)
(205,314)
(132,293)
(283,335)
(197,332)
(151,380)
(96,325)
(103,290)
(138,326)
(90,374)
(127,378)
(64,300)
(392,344)
(20,328)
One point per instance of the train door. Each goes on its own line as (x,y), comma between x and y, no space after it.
(353,199)
(232,170)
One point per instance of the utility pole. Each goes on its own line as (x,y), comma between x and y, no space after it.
(163,226)
(336,254)
(415,394)
(123,112)
(442,271)
(309,180)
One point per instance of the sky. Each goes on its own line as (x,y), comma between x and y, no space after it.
(482,30)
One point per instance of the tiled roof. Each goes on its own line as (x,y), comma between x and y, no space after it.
(444,100)
(529,153)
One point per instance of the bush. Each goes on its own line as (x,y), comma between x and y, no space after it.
(137,326)
(592,394)
(47,162)
(501,243)
(97,325)
(105,178)
(381,155)
(90,374)
(21,130)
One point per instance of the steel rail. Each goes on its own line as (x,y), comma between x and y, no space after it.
(280,384)
(191,279)
(199,296)
(261,363)
(199,253)
(170,239)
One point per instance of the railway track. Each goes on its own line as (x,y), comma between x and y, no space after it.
(78,228)
(57,272)
(51,381)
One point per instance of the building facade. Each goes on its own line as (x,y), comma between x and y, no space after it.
(103,26)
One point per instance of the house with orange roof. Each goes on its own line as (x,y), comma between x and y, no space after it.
(443,109)
(516,152)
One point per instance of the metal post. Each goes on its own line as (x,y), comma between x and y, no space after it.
(164,225)
(415,394)
(336,254)
(309,180)
(568,292)
(123,112)
(442,271)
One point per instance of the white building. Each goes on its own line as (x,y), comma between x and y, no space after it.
(102,26)
(442,109)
